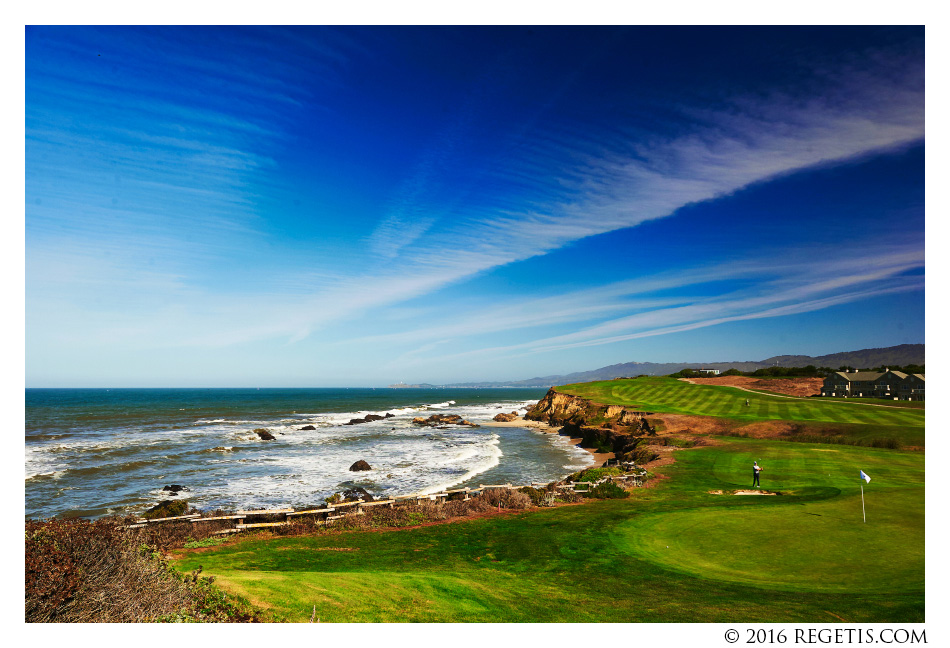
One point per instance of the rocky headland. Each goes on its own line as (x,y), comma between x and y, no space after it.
(609,428)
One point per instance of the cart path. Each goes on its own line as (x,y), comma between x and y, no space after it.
(766,393)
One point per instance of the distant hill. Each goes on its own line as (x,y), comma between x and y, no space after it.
(903,354)
(419,386)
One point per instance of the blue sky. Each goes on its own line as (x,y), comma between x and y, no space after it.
(248,206)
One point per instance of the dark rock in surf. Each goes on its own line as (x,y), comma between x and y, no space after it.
(360,465)
(356,493)
(437,420)
(368,418)
(175,488)
(308,427)
(168,508)
(264,434)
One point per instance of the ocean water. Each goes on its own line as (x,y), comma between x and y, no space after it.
(91,452)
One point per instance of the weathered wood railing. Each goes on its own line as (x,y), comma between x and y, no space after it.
(342,509)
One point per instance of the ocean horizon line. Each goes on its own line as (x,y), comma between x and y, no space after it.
(451,386)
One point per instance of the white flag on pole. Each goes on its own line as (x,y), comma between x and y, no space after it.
(865,477)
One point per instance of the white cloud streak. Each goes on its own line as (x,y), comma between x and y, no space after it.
(788,288)
(587,192)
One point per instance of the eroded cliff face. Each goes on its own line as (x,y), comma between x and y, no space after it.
(563,409)
(610,428)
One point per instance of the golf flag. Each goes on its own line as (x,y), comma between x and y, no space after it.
(868,480)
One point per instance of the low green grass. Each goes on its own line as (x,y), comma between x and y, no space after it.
(673,553)
(678,397)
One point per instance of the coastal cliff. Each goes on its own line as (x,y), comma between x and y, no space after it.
(610,428)
(563,409)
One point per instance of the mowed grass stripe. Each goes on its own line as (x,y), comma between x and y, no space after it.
(674,396)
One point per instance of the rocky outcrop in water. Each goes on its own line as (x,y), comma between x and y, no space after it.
(356,493)
(168,508)
(360,465)
(368,418)
(264,434)
(308,427)
(505,418)
(437,420)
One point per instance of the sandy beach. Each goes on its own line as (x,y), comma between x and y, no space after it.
(599,457)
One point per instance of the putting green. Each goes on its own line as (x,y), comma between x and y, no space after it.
(811,539)
(819,548)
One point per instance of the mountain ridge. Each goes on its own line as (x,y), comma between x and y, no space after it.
(902,354)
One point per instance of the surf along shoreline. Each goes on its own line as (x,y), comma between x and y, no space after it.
(600,458)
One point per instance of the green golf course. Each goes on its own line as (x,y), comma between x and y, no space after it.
(679,397)
(672,553)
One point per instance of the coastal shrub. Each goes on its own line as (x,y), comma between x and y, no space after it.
(80,571)
(594,474)
(473,506)
(640,455)
(207,542)
(607,490)
(675,442)
(505,498)
(536,495)
(415,517)
(170,535)
(565,496)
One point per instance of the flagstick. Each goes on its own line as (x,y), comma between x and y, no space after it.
(862,505)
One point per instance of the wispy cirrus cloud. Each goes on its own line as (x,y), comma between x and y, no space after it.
(788,287)
(143,188)
(637,180)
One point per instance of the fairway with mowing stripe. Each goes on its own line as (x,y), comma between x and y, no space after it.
(678,397)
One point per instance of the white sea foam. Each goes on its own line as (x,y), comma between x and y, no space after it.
(227,465)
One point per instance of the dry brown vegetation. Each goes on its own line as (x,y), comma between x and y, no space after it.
(800,387)
(79,571)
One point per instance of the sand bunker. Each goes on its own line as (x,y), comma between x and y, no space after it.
(752,492)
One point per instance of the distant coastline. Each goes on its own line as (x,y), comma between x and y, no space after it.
(419,386)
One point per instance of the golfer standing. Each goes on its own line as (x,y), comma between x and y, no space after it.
(755,473)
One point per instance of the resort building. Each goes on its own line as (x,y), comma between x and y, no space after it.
(873,384)
(710,372)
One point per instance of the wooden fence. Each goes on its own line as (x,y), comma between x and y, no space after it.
(332,512)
